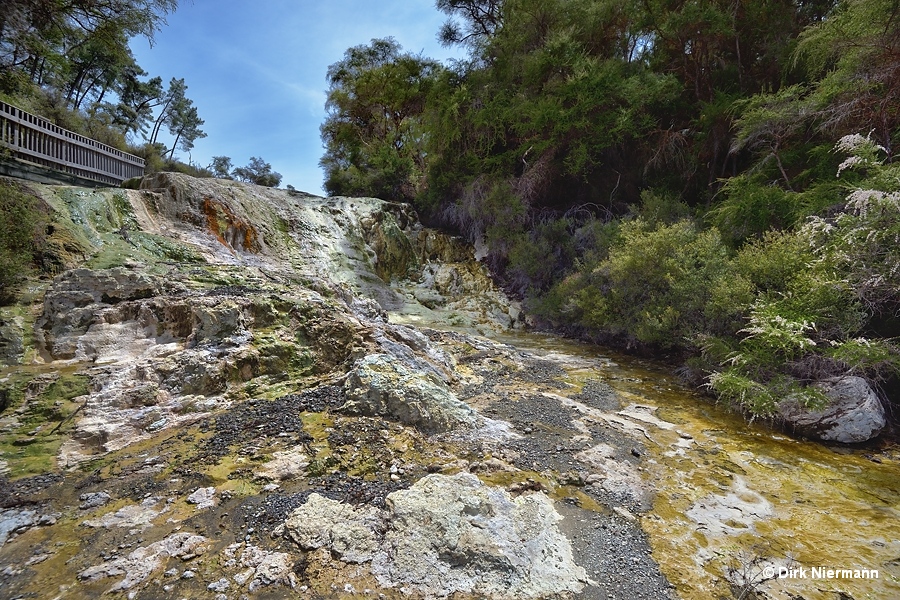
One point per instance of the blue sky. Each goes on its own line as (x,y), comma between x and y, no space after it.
(256,71)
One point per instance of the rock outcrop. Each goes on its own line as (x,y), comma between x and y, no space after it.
(380,385)
(195,293)
(854,413)
(447,535)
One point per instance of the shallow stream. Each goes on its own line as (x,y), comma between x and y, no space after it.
(739,498)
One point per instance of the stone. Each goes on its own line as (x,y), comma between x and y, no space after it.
(203,498)
(268,568)
(284,465)
(447,535)
(93,500)
(13,520)
(12,342)
(143,562)
(132,516)
(853,415)
(219,586)
(379,385)
(346,531)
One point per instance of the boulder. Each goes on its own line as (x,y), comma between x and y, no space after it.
(456,534)
(284,465)
(203,498)
(13,520)
(854,413)
(349,533)
(447,535)
(379,385)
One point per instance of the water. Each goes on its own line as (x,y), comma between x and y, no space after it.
(736,502)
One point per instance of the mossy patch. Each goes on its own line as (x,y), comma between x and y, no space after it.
(39,407)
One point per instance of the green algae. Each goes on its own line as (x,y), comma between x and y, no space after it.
(319,425)
(38,407)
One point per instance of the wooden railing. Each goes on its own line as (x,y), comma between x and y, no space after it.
(36,140)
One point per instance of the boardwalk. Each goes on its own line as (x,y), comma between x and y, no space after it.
(35,140)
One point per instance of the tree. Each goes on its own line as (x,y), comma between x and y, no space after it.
(184,124)
(173,96)
(137,100)
(258,172)
(179,114)
(221,167)
(470,22)
(855,54)
(374,140)
(41,38)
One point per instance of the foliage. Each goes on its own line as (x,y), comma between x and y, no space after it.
(67,44)
(71,63)
(817,290)
(221,167)
(372,133)
(861,241)
(752,206)
(179,115)
(258,172)
(570,110)
(470,22)
(662,285)
(659,172)
(855,57)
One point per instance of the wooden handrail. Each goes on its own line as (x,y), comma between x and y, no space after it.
(37,140)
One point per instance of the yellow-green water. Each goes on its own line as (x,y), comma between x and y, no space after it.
(734,495)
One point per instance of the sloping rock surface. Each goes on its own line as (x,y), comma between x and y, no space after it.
(209,356)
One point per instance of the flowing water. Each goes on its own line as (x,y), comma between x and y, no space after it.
(739,498)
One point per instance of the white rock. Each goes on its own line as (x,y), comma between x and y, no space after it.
(203,497)
(448,535)
(93,500)
(143,562)
(15,519)
(853,415)
(132,516)
(283,465)
(347,531)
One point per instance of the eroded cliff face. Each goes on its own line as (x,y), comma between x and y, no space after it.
(192,294)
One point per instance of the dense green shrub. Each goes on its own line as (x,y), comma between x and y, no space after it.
(817,290)
(752,206)
(662,285)
(772,261)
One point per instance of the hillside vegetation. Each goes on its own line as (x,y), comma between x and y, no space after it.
(709,178)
